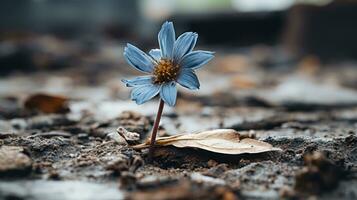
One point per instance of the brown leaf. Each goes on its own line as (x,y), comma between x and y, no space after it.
(47,103)
(224,141)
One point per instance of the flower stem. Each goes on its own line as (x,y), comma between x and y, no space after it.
(156,127)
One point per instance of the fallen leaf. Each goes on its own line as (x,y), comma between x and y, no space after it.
(225,141)
(47,103)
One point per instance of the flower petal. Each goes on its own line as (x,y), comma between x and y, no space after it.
(156,54)
(141,80)
(184,44)
(188,79)
(168,93)
(138,59)
(167,39)
(196,59)
(144,93)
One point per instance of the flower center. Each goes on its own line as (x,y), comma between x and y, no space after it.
(165,71)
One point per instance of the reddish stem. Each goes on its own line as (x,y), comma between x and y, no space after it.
(156,127)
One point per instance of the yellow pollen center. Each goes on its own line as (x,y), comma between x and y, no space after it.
(165,71)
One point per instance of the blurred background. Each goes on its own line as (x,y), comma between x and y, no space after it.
(284,72)
(49,34)
(75,47)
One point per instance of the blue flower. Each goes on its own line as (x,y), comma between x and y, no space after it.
(173,63)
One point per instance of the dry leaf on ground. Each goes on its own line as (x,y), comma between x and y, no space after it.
(47,103)
(225,141)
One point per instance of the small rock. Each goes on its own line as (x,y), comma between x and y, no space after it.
(117,138)
(13,162)
(130,137)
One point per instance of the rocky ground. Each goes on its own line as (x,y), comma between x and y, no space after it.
(67,150)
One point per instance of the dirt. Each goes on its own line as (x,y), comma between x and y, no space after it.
(78,154)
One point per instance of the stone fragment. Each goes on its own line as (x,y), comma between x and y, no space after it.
(13,162)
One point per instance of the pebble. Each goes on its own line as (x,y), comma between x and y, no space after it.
(130,137)
(13,162)
(117,138)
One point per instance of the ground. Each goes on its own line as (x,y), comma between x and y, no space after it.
(306,108)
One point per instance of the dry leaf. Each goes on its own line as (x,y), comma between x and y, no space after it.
(47,103)
(224,141)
